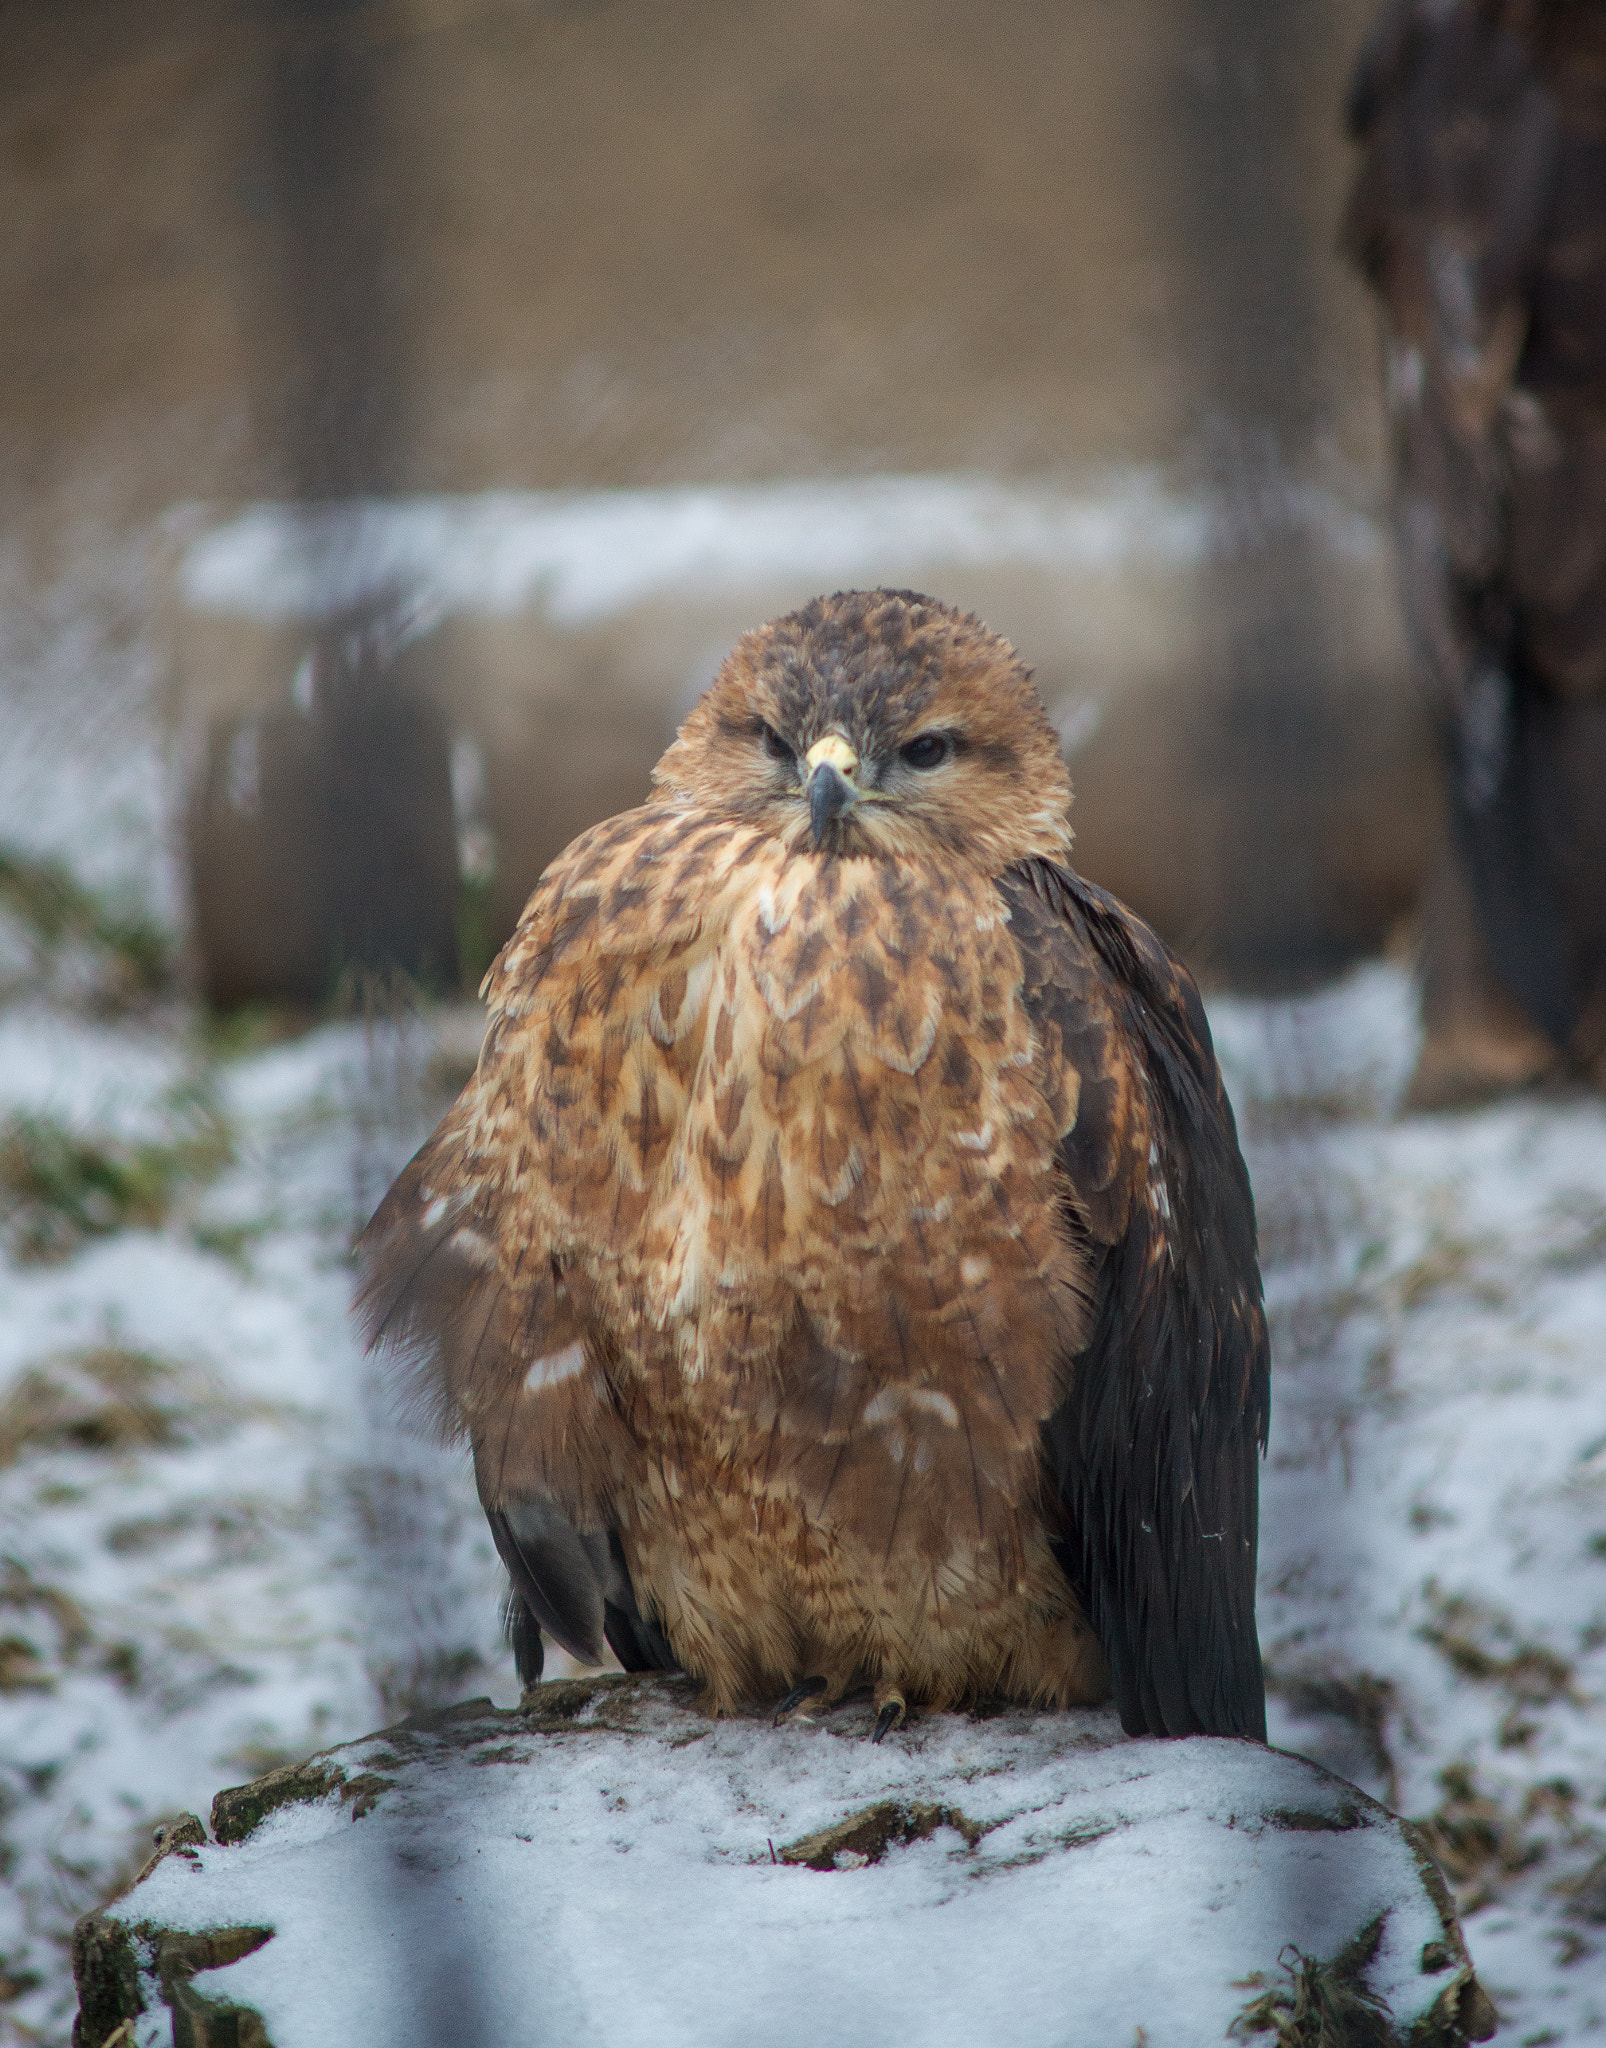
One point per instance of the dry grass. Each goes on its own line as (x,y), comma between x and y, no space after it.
(110,1399)
(1480,1844)
(1482,1644)
(59,1187)
(1362,1700)
(1449,1263)
(47,1631)
(1322,2003)
(105,954)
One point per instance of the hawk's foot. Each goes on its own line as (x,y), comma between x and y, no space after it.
(805,1690)
(890,1710)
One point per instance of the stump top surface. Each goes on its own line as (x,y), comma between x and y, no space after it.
(605,1864)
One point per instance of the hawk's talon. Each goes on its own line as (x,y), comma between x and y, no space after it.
(805,1689)
(890,1716)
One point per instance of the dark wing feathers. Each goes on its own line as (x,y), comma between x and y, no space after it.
(1154,1454)
(634,1637)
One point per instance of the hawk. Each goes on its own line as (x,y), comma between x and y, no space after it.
(1479,218)
(842,1264)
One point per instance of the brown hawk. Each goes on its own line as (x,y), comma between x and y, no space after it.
(1479,217)
(842,1263)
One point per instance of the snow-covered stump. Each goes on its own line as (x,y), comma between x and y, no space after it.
(604,1864)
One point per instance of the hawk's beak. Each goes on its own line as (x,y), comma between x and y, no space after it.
(829,766)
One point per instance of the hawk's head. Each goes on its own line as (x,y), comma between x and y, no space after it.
(877,721)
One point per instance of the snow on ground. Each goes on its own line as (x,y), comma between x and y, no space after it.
(218,1552)
(1433,1565)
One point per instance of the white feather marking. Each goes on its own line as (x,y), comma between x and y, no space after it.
(477,1249)
(556,1366)
(838,1190)
(698,982)
(656,1027)
(912,1062)
(436,1210)
(892,1399)
(976,1141)
(770,916)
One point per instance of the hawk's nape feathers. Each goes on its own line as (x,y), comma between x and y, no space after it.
(842,1264)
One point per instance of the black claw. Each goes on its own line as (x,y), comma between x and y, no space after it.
(809,1689)
(888,1718)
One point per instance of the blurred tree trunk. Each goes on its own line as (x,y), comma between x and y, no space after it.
(1248,275)
(322,834)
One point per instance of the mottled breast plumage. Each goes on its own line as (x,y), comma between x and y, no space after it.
(765,1260)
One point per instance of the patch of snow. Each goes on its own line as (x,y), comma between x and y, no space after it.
(63,1067)
(618,1881)
(1433,1562)
(284,1567)
(584,556)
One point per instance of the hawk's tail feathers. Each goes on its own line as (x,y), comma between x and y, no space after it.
(523,1634)
(558,1575)
(575,1587)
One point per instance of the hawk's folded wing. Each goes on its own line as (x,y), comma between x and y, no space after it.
(469,1267)
(1154,1454)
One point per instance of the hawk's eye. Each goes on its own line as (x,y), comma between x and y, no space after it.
(774,745)
(929,751)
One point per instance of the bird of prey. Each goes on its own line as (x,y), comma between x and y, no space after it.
(842,1263)
(1479,217)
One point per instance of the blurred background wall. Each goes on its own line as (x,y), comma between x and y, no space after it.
(1065,272)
